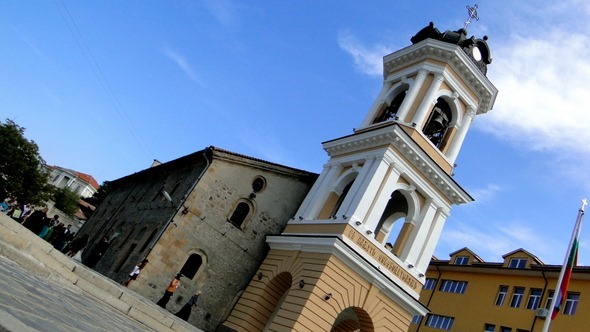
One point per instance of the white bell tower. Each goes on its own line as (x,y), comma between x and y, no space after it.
(356,252)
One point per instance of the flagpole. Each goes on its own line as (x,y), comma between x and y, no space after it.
(575,235)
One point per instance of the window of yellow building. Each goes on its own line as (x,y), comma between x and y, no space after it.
(453,286)
(571,303)
(462,260)
(429,284)
(517,297)
(534,298)
(502,291)
(440,322)
(517,263)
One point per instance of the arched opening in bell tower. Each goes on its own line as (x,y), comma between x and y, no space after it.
(393,229)
(341,199)
(338,194)
(353,319)
(438,124)
(391,106)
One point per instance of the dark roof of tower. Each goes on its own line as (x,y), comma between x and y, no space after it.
(459,37)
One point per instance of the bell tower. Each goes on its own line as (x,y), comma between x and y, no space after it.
(355,254)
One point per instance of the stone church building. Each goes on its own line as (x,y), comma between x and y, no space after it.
(279,249)
(205,215)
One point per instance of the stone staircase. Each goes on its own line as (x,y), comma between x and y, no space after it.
(38,257)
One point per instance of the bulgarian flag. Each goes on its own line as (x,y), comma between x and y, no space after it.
(572,260)
(566,270)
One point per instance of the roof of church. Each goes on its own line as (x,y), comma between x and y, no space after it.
(199,155)
(214,148)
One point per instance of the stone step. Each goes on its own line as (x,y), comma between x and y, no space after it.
(39,257)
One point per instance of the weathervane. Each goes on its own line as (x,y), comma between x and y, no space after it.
(472,12)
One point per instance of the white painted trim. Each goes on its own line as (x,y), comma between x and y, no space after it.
(450,54)
(393,134)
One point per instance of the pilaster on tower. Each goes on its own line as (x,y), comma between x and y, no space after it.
(360,243)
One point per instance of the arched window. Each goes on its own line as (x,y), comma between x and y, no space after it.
(341,199)
(140,234)
(149,240)
(391,110)
(158,193)
(391,222)
(174,189)
(438,123)
(240,214)
(127,238)
(192,265)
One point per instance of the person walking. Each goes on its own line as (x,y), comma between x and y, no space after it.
(136,270)
(169,291)
(185,312)
(77,244)
(36,220)
(96,253)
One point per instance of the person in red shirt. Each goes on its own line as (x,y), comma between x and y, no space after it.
(169,291)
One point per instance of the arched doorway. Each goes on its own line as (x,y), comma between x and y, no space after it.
(275,294)
(353,319)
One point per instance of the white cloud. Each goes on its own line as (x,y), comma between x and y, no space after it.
(484,243)
(486,194)
(183,64)
(223,10)
(495,240)
(368,61)
(542,88)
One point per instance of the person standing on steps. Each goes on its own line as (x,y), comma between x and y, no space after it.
(185,312)
(169,291)
(136,270)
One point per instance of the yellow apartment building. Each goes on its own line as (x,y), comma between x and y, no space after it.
(465,293)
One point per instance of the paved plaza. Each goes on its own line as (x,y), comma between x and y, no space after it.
(29,303)
(43,290)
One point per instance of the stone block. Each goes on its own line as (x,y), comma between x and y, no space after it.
(103,296)
(148,320)
(98,281)
(64,260)
(146,306)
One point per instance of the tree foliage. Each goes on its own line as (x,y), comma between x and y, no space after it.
(66,200)
(22,171)
(100,194)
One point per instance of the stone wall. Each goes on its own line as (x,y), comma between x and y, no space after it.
(141,223)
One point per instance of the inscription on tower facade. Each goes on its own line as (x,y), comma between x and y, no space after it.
(382,258)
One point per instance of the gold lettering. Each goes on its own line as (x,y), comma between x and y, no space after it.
(352,234)
(382,259)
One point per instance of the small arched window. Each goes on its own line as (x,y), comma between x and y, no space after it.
(192,265)
(240,214)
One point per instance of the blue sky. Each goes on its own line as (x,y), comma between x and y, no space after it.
(105,89)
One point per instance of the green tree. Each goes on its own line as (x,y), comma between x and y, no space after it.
(22,170)
(100,194)
(66,200)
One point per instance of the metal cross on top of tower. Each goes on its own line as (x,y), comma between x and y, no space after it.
(472,12)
